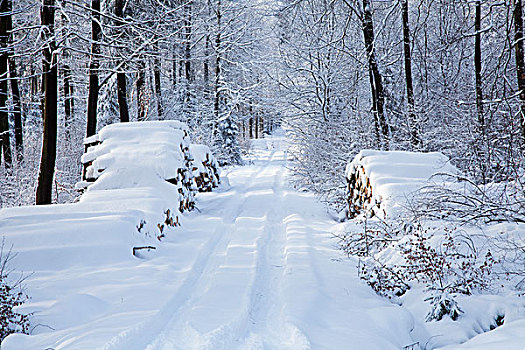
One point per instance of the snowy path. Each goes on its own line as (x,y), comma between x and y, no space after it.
(268,276)
(257,268)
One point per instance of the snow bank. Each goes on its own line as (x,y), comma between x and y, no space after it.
(381,182)
(82,276)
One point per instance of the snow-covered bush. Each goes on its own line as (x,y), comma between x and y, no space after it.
(11,296)
(229,150)
(469,203)
(443,304)
(445,261)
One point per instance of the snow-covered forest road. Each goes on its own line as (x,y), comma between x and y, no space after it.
(263,273)
(255,267)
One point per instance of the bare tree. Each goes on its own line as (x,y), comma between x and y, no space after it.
(94,65)
(121,75)
(416,142)
(49,69)
(477,64)
(157,78)
(376,80)
(520,61)
(5,141)
(15,89)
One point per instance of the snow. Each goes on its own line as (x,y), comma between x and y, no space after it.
(395,175)
(256,268)
(474,326)
(134,153)
(394,178)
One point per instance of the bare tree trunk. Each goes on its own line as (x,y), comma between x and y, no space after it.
(67,99)
(66,71)
(416,142)
(122,97)
(376,82)
(5,140)
(218,42)
(477,64)
(158,85)
(206,64)
(187,42)
(520,61)
(141,90)
(96,33)
(174,67)
(49,142)
(15,90)
(122,86)
(17,111)
(374,107)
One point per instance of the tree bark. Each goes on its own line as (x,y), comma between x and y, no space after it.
(520,62)
(96,33)
(206,64)
(141,91)
(414,135)
(121,75)
(477,64)
(187,42)
(47,162)
(218,42)
(376,81)
(158,85)
(5,140)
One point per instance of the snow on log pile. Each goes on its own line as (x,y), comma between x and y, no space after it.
(205,168)
(151,156)
(381,182)
(129,155)
(88,263)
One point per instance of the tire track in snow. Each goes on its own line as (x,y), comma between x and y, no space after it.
(150,332)
(266,326)
(262,324)
(247,326)
(173,331)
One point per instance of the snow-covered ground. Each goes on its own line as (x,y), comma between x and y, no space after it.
(255,267)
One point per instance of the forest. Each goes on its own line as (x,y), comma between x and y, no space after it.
(344,79)
(344,75)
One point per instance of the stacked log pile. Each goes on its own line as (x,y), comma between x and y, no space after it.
(360,191)
(381,183)
(205,168)
(132,154)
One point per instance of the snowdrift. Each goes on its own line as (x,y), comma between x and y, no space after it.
(138,186)
(382,182)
